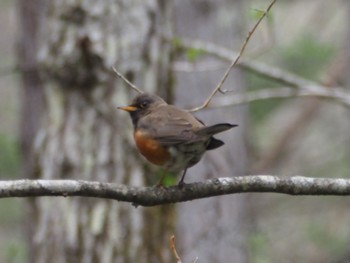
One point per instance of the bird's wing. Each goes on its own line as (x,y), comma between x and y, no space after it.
(173,126)
(189,135)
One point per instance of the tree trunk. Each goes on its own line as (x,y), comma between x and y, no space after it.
(213,229)
(83,136)
(30,15)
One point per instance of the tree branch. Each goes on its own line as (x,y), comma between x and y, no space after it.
(307,87)
(235,61)
(151,196)
(336,94)
(267,71)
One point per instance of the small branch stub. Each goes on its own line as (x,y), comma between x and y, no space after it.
(173,249)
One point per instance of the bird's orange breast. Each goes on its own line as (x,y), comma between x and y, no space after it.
(151,149)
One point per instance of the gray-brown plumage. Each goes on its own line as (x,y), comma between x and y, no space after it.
(171,137)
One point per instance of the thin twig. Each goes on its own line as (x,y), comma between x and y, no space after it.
(267,41)
(264,70)
(234,62)
(307,112)
(120,75)
(336,94)
(298,86)
(173,248)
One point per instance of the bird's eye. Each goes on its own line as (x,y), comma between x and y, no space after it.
(143,105)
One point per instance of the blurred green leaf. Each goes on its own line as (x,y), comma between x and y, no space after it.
(261,109)
(169,179)
(9,156)
(176,42)
(319,234)
(10,210)
(307,56)
(255,14)
(192,54)
(16,251)
(258,246)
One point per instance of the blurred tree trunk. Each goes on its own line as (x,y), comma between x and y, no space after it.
(83,136)
(213,229)
(341,75)
(30,13)
(30,16)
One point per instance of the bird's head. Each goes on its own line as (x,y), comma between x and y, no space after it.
(142,105)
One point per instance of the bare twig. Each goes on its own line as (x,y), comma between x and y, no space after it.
(151,196)
(307,111)
(234,62)
(120,75)
(267,41)
(264,70)
(337,94)
(301,86)
(173,248)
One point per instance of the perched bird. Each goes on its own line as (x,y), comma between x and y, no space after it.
(170,137)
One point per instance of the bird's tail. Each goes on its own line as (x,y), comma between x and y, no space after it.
(214,129)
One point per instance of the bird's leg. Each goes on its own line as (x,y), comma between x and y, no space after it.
(160,182)
(181,182)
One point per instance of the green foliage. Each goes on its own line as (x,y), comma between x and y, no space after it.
(331,242)
(10,210)
(307,56)
(9,156)
(258,13)
(258,247)
(176,42)
(6,3)
(261,109)
(13,247)
(192,54)
(341,167)
(15,251)
(170,178)
(335,167)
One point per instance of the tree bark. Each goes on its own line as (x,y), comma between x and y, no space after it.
(153,196)
(84,137)
(30,17)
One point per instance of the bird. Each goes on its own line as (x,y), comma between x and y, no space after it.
(171,137)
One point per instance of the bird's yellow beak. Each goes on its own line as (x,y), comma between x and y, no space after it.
(128,108)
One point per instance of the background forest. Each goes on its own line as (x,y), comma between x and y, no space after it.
(281,136)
